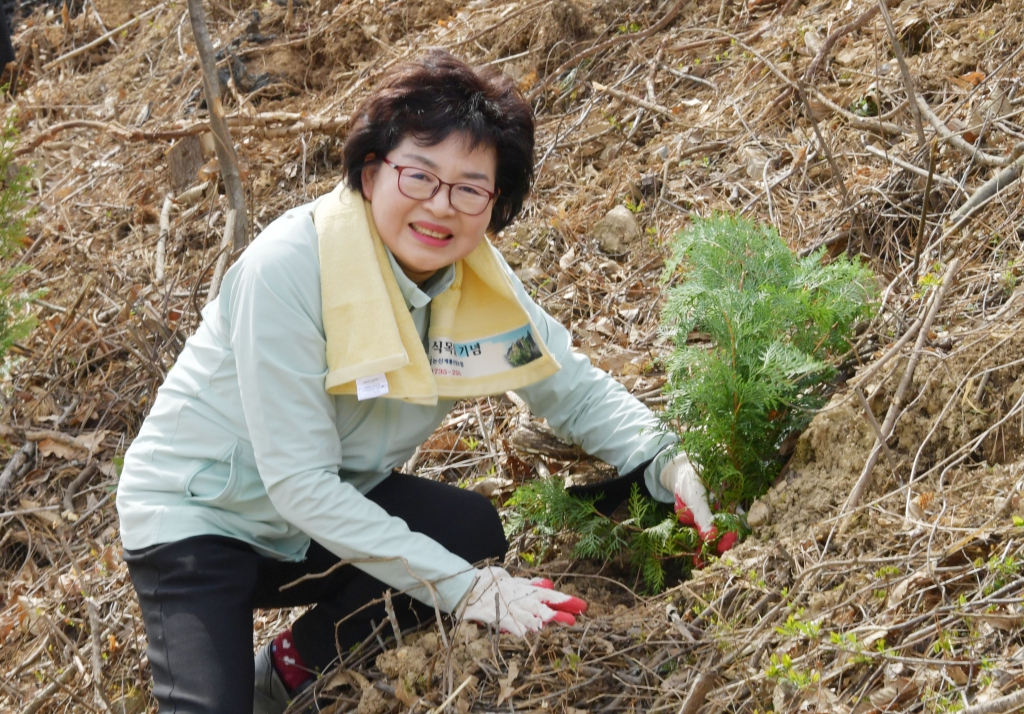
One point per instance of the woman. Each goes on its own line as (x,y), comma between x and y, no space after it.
(340,340)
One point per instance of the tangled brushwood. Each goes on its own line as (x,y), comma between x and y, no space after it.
(758,333)
(670,108)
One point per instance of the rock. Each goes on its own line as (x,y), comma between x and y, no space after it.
(614,232)
(758,514)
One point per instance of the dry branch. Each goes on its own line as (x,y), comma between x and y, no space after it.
(83,478)
(161,244)
(896,406)
(892,158)
(958,141)
(14,466)
(908,81)
(636,101)
(222,255)
(990,189)
(47,693)
(1009,703)
(223,145)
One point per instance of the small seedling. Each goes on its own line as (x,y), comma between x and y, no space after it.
(781,668)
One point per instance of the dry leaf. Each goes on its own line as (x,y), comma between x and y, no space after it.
(49,447)
(506,682)
(893,694)
(92,441)
(1006,622)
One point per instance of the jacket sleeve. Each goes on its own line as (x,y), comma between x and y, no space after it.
(588,407)
(276,334)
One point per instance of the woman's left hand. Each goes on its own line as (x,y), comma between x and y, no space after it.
(692,507)
(518,605)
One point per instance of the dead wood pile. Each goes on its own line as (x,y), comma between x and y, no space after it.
(906,598)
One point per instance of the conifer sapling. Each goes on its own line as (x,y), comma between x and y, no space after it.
(756,332)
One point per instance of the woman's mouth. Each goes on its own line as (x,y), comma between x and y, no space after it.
(429,234)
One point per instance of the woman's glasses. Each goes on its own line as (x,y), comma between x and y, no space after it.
(421,185)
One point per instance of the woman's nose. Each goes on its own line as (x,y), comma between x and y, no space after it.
(441,202)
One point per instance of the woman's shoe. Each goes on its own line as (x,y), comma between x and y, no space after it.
(270,695)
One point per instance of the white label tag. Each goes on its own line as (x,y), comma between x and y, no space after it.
(483,357)
(375,385)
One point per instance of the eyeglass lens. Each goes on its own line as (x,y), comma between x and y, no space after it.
(421,185)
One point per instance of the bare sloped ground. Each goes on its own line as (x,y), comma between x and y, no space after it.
(907,601)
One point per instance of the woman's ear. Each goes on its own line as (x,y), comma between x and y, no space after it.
(369,175)
(370,168)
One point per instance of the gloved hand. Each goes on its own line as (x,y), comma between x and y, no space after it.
(692,507)
(523,605)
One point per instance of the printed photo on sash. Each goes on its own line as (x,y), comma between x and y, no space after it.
(483,357)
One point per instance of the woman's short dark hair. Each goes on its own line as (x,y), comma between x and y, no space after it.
(440,95)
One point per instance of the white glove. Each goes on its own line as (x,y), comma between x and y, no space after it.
(692,507)
(522,605)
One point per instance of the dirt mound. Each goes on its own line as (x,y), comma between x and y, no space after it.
(956,414)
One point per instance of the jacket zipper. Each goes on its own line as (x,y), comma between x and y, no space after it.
(385,432)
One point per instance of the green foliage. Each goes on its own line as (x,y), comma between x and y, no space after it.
(646,539)
(796,627)
(782,668)
(775,324)
(14,191)
(847,642)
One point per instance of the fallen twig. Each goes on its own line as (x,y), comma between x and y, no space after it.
(958,141)
(988,190)
(637,101)
(14,466)
(87,473)
(46,693)
(998,706)
(892,158)
(161,243)
(222,255)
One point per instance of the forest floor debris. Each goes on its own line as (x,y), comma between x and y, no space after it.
(793,113)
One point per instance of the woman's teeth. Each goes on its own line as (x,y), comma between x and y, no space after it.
(430,233)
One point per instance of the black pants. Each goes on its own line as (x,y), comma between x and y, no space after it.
(197,596)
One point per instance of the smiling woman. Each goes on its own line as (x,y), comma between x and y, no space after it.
(340,340)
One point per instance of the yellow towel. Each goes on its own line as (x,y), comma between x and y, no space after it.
(481,340)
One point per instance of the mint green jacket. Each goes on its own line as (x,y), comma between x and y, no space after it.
(244,441)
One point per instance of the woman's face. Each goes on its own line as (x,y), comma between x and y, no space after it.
(427,235)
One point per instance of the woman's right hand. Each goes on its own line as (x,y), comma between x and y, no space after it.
(518,605)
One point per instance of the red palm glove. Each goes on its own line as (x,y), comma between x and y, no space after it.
(522,605)
(692,507)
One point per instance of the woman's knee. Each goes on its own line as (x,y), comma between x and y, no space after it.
(486,539)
